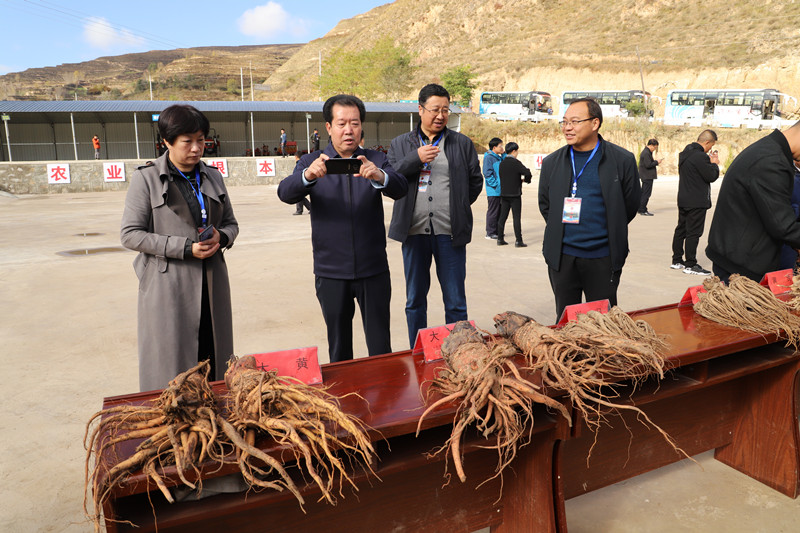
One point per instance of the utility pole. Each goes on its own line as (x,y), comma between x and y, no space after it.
(251,82)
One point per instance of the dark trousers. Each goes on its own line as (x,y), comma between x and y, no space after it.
(647,190)
(514,204)
(691,222)
(302,203)
(337,299)
(492,215)
(579,276)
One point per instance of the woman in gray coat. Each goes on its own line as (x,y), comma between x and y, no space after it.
(179,218)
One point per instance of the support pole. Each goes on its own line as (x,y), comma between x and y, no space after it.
(8,140)
(74,142)
(252,136)
(136,133)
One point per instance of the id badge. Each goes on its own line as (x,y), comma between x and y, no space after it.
(572,211)
(424,179)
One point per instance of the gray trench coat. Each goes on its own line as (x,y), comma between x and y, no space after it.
(157,223)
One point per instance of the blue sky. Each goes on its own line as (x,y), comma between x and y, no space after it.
(42,33)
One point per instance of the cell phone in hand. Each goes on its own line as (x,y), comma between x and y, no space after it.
(206,234)
(341,165)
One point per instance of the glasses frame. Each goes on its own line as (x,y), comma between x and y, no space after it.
(445,111)
(573,123)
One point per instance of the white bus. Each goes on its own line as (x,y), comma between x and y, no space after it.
(765,108)
(517,105)
(613,103)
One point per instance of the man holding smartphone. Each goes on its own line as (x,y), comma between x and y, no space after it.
(696,172)
(348,235)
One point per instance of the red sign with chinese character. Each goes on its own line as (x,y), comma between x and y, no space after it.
(429,341)
(779,282)
(571,312)
(690,296)
(300,363)
(220,164)
(58,173)
(114,171)
(265,166)
(538,158)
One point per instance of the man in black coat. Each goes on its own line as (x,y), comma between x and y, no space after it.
(347,230)
(647,173)
(512,174)
(434,221)
(754,214)
(589,192)
(696,172)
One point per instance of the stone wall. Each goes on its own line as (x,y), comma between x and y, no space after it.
(28,177)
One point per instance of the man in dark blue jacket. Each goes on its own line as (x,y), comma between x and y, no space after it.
(434,222)
(696,172)
(588,193)
(347,229)
(754,214)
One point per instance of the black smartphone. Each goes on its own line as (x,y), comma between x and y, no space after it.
(206,233)
(341,165)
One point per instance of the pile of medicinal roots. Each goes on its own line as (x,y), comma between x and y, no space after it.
(185,433)
(492,393)
(745,304)
(583,359)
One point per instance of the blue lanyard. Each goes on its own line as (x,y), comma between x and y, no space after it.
(426,166)
(577,175)
(197,193)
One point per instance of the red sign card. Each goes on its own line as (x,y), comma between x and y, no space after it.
(690,296)
(779,282)
(429,341)
(571,312)
(300,363)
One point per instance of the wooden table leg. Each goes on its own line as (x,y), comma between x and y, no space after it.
(766,444)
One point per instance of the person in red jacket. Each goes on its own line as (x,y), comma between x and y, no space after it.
(96,144)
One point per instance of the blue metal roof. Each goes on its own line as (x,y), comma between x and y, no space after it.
(155,106)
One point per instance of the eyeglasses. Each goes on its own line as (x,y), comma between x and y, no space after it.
(444,111)
(573,123)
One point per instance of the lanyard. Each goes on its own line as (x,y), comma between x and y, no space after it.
(197,193)
(575,174)
(426,166)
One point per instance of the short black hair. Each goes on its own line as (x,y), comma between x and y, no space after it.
(707,136)
(432,89)
(346,100)
(594,108)
(652,142)
(510,147)
(494,142)
(180,119)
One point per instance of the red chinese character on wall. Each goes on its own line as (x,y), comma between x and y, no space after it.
(266,167)
(220,165)
(58,173)
(114,172)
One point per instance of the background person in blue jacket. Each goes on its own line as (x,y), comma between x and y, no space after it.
(588,193)
(434,222)
(491,160)
(348,235)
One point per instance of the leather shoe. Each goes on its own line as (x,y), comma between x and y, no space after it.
(501,242)
(520,244)
(646,214)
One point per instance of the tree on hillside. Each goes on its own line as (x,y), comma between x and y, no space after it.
(459,83)
(382,71)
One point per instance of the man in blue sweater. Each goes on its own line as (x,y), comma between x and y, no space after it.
(348,235)
(588,193)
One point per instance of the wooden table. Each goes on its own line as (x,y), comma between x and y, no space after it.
(730,390)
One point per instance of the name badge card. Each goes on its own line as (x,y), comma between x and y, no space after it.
(300,363)
(424,179)
(571,312)
(572,211)
(779,282)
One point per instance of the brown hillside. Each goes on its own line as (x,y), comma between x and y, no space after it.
(556,46)
(186,73)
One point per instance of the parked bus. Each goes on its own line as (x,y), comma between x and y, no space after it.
(516,105)
(613,103)
(765,108)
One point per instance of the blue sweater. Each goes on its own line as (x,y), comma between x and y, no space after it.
(589,238)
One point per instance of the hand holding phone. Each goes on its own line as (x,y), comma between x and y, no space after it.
(206,233)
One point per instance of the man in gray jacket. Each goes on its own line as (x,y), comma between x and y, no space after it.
(434,221)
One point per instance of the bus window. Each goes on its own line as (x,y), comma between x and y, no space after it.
(708,107)
(769,109)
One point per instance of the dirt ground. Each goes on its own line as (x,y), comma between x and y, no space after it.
(69,340)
